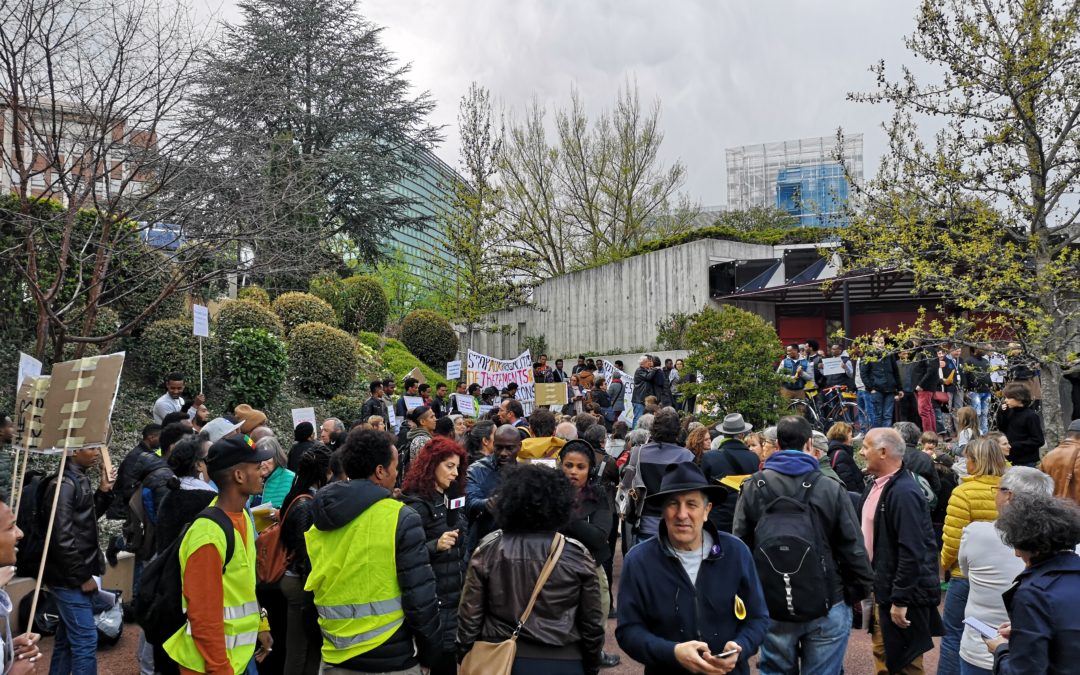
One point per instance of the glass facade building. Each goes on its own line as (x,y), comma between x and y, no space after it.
(815,194)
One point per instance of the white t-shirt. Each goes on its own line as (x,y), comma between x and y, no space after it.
(691,560)
(991,567)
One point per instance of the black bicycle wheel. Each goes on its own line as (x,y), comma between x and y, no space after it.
(801,407)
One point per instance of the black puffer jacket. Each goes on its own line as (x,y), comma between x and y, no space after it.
(449,565)
(842,461)
(591,523)
(880,373)
(1023,428)
(337,505)
(74,556)
(566,622)
(905,548)
(140,465)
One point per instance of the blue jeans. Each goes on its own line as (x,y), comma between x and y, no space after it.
(75,649)
(883,408)
(866,405)
(953,618)
(968,669)
(639,410)
(981,403)
(819,644)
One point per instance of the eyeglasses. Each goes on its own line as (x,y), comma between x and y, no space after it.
(996,489)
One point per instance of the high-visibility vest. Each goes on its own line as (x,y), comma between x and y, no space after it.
(354,579)
(241,608)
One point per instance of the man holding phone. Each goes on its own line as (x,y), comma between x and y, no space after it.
(689,599)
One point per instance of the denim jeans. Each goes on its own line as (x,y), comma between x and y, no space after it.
(75,649)
(883,408)
(968,669)
(639,410)
(953,618)
(819,644)
(866,405)
(981,403)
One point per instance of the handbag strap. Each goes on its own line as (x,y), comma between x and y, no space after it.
(553,557)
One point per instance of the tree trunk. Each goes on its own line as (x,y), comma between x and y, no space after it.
(1051,404)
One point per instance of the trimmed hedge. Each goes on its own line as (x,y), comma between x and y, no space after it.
(237,314)
(368,364)
(430,337)
(256,364)
(400,361)
(322,359)
(166,346)
(296,308)
(359,301)
(345,408)
(255,294)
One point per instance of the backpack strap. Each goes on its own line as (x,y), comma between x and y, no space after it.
(215,514)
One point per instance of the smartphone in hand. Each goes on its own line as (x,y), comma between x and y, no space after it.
(981,628)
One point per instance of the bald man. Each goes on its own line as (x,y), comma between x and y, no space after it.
(483,477)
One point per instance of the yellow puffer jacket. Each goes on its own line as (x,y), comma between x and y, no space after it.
(971,501)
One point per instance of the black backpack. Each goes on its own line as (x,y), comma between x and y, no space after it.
(159,605)
(29,519)
(139,530)
(791,554)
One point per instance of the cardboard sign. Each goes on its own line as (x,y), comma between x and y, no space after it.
(466,405)
(453,370)
(28,367)
(301,415)
(413,402)
(550,394)
(833,366)
(80,401)
(417,375)
(201,320)
(29,409)
(106,463)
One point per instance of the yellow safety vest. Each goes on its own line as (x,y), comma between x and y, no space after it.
(241,608)
(354,579)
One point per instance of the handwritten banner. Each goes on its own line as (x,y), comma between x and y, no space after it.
(491,372)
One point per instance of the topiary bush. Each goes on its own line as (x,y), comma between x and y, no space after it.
(237,314)
(368,363)
(400,362)
(322,359)
(296,308)
(370,339)
(345,408)
(255,294)
(430,337)
(359,301)
(166,346)
(256,364)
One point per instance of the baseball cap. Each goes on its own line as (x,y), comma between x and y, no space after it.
(219,428)
(234,450)
(1074,426)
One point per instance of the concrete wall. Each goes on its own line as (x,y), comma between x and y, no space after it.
(615,308)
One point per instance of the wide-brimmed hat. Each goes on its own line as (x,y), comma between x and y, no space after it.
(686,477)
(733,425)
(219,428)
(249,417)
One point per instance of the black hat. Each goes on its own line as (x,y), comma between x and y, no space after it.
(234,450)
(684,477)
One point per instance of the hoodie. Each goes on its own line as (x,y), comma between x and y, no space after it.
(339,504)
(791,463)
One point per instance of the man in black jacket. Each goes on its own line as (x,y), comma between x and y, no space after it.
(881,377)
(817,645)
(733,461)
(375,405)
(73,560)
(900,538)
(646,380)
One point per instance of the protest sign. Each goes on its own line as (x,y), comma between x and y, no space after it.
(453,370)
(466,405)
(485,409)
(608,371)
(80,402)
(201,320)
(550,394)
(832,366)
(392,416)
(301,415)
(490,372)
(28,367)
(413,402)
(29,408)
(417,375)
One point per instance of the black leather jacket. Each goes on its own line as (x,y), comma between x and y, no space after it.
(74,556)
(566,622)
(140,465)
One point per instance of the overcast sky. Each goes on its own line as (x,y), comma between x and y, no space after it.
(727,72)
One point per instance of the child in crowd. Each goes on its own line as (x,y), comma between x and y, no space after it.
(930,442)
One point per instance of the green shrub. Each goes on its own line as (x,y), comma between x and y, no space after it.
(296,308)
(345,408)
(430,337)
(368,364)
(256,364)
(370,339)
(400,361)
(255,294)
(237,314)
(359,301)
(322,359)
(166,346)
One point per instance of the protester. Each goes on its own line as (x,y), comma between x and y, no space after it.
(646,379)
(795,373)
(971,501)
(172,400)
(480,441)
(816,644)
(900,542)
(374,405)
(435,479)
(565,631)
(690,559)
(977,383)
(698,441)
(544,443)
(915,460)
(250,419)
(302,636)
(967,428)
(1021,424)
(645,471)
(842,457)
(303,439)
(1044,623)
(390,576)
(729,466)
(990,567)
(412,390)
(19,654)
(276,476)
(223,623)
(511,412)
(1063,464)
(328,428)
(461,429)
(189,491)
(483,477)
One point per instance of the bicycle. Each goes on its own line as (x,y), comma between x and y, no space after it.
(832,407)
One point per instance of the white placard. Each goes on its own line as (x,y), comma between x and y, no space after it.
(453,370)
(300,415)
(466,405)
(201,320)
(485,409)
(833,366)
(413,402)
(392,416)
(28,367)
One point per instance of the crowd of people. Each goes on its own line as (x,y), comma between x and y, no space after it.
(418,540)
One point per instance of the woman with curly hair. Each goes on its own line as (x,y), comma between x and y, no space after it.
(435,479)
(1044,624)
(564,634)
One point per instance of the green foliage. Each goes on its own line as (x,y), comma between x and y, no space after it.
(536,344)
(256,364)
(345,408)
(400,361)
(237,314)
(359,301)
(296,308)
(166,346)
(430,337)
(372,340)
(768,236)
(255,294)
(734,350)
(368,364)
(671,330)
(322,359)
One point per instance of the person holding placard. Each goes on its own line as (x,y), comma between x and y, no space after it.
(173,399)
(412,390)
